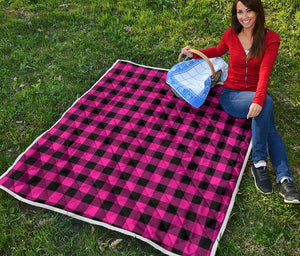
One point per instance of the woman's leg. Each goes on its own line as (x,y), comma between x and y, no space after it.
(237,103)
(264,130)
(265,138)
(264,134)
(277,152)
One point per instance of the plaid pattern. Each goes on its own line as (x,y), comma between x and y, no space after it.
(130,154)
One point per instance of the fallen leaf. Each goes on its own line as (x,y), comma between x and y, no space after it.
(115,243)
(64,5)
(128,29)
(102,245)
(92,230)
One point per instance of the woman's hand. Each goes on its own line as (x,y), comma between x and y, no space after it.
(254,110)
(185,51)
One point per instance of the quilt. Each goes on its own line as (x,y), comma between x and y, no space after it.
(132,157)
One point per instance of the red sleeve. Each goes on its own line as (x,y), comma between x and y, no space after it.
(272,43)
(218,50)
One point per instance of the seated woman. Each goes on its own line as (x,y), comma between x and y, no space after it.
(253,50)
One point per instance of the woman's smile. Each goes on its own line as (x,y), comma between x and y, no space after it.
(245,16)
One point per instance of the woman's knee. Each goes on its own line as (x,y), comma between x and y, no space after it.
(236,103)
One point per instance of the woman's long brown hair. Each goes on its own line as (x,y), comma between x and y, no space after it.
(259,27)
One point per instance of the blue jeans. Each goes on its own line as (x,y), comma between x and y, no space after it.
(265,137)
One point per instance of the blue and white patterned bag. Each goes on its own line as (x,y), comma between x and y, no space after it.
(191,80)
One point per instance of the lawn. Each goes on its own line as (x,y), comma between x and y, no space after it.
(52,51)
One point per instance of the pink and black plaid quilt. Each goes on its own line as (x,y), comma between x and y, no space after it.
(131,156)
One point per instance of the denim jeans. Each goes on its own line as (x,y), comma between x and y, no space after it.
(265,137)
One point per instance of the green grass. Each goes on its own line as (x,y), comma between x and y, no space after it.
(53,51)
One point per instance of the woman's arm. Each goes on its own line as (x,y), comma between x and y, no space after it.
(265,71)
(270,55)
(211,52)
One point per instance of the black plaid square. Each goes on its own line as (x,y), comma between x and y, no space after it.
(184,234)
(176,160)
(105,101)
(96,111)
(145,218)
(158,155)
(47,166)
(116,157)
(83,148)
(153,202)
(64,172)
(166,143)
(114,92)
(179,193)
(98,184)
(197,200)
(186,180)
(74,159)
(77,132)
(191,216)
(133,162)
(88,199)
(87,121)
(106,205)
(91,165)
(149,112)
(63,127)
(120,104)
(141,122)
(151,168)
(42,149)
(93,136)
(16,175)
(68,143)
(203,185)
(125,211)
(143,182)
(53,186)
(172,209)
(92,97)
(135,196)
(116,190)
(71,192)
(188,135)
(58,154)
(81,178)
(164,226)
(108,170)
(168,174)
(161,188)
(205,243)
(134,108)
(215,206)
(141,150)
(111,114)
(73,117)
(182,148)
(30,160)
(211,223)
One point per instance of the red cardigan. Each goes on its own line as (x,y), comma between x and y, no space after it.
(252,75)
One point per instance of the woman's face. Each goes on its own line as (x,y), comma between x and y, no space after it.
(245,16)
